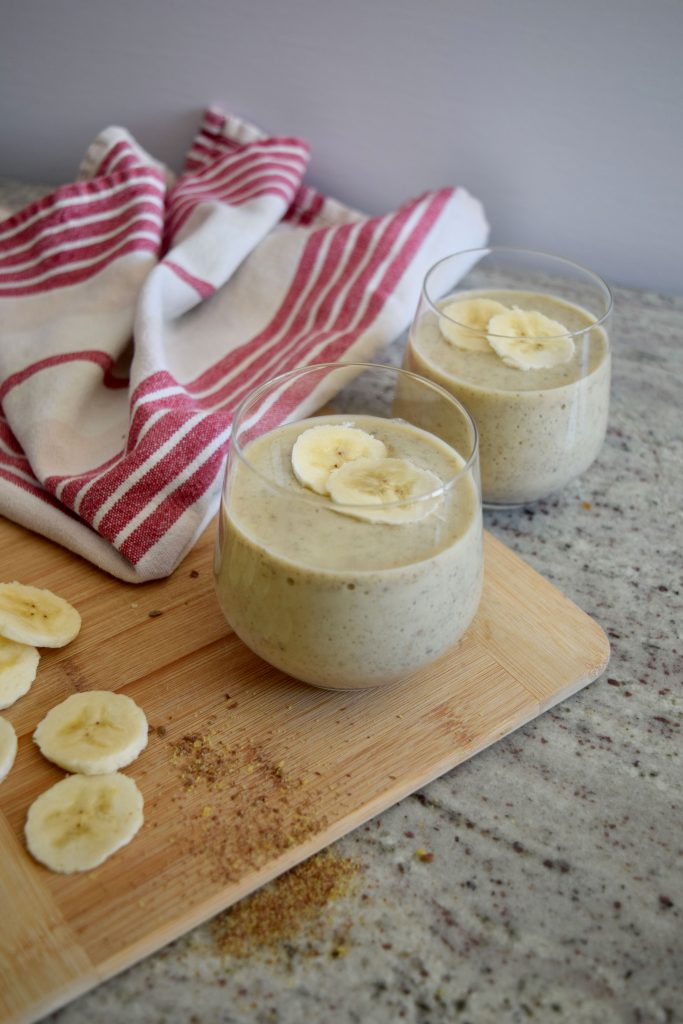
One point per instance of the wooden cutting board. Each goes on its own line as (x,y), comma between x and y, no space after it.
(247,772)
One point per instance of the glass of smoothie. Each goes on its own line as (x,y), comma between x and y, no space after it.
(522,339)
(349,550)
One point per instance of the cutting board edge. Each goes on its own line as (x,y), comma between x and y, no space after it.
(591,675)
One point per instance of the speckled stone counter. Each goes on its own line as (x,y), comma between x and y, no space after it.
(542,879)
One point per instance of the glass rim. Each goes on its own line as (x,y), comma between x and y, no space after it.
(512,249)
(318,499)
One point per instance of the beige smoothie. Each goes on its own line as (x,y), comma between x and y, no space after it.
(339,601)
(538,428)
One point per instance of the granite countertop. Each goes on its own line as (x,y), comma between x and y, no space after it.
(538,881)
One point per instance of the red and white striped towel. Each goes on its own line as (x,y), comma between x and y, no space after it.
(137,310)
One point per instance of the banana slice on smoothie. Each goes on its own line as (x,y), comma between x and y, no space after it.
(529,340)
(37,617)
(93,733)
(472,316)
(8,747)
(18,668)
(320,450)
(79,822)
(376,482)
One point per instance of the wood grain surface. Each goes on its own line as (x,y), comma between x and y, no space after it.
(247,772)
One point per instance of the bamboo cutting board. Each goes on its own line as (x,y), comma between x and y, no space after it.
(246,772)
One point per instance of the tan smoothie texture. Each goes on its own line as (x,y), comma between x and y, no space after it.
(337,601)
(538,428)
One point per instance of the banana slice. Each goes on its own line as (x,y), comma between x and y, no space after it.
(38,617)
(472,316)
(529,340)
(377,482)
(93,732)
(82,820)
(18,668)
(8,747)
(320,450)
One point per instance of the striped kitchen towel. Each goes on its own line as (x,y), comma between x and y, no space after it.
(137,310)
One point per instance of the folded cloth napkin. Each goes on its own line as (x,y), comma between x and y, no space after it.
(137,310)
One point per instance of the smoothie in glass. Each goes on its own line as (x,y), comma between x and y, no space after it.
(540,426)
(330,596)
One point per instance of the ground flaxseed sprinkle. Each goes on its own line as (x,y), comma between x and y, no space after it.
(291,905)
(201,760)
(257,809)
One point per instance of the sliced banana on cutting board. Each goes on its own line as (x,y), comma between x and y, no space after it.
(83,819)
(377,482)
(529,340)
(465,323)
(8,747)
(324,448)
(79,822)
(95,732)
(18,668)
(37,617)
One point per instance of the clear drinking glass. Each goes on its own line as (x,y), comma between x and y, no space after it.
(347,593)
(540,399)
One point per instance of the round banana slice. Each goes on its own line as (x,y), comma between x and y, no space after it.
(321,449)
(8,747)
(529,340)
(18,668)
(377,482)
(79,822)
(93,732)
(472,316)
(38,617)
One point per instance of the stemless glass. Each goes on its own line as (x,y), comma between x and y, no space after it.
(539,427)
(349,595)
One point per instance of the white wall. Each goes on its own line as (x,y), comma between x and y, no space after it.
(564,116)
